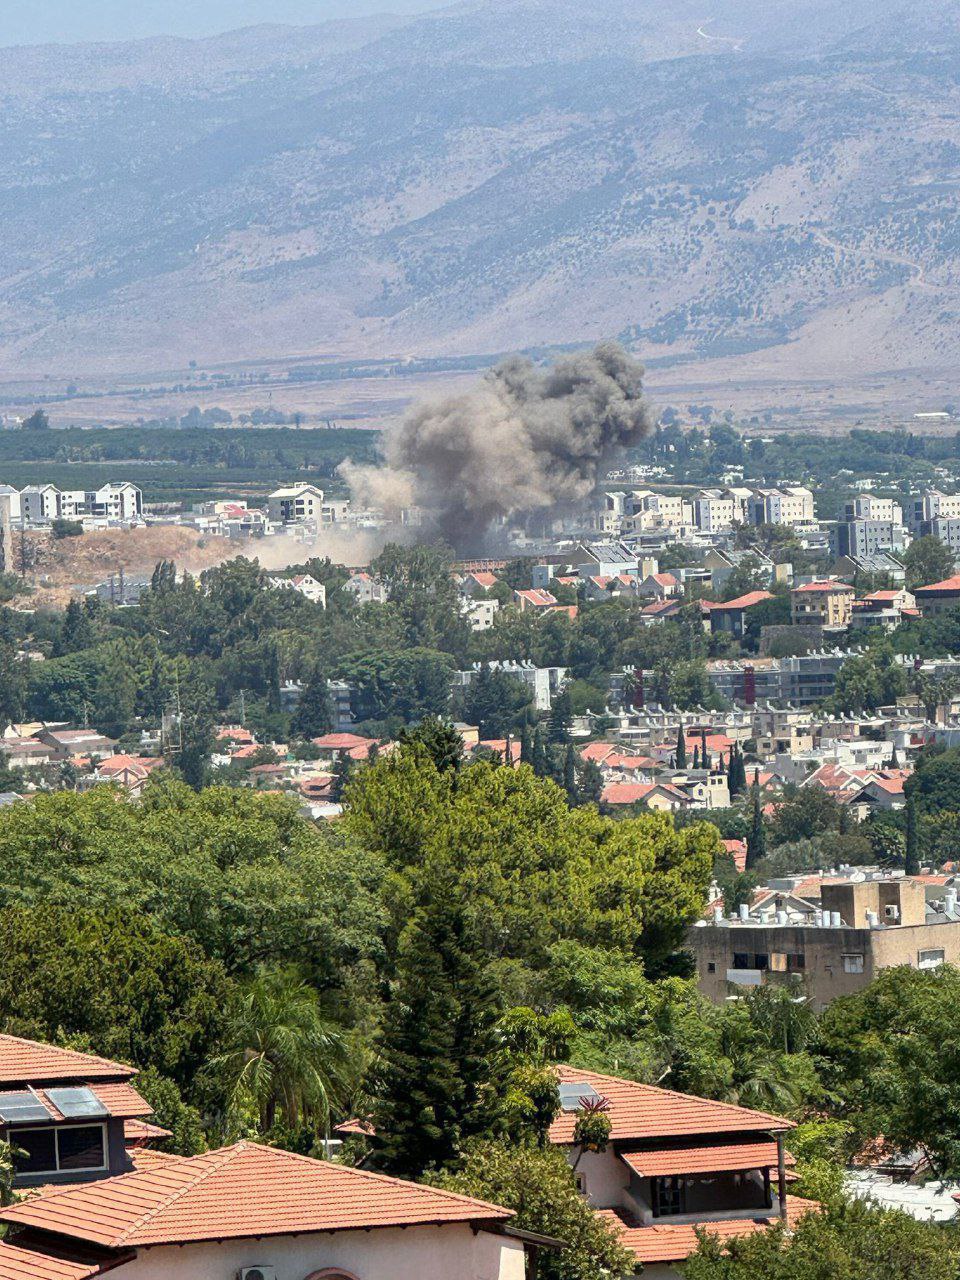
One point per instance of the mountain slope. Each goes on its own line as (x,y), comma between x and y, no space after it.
(759,177)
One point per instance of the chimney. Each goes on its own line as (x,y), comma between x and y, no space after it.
(717,915)
(744,912)
(872,920)
(781,917)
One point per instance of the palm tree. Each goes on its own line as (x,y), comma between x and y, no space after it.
(282,1052)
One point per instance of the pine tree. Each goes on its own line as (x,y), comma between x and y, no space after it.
(911,862)
(541,766)
(441,740)
(591,783)
(314,714)
(680,755)
(526,745)
(273,681)
(756,837)
(439,1038)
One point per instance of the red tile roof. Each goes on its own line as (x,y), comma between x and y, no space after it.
(634,792)
(820,588)
(667,1241)
(122,1101)
(538,598)
(668,1162)
(948,584)
(342,741)
(745,601)
(135,1130)
(239,1192)
(29,1061)
(738,851)
(32,1259)
(644,1111)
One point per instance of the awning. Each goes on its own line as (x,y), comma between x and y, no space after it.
(664,1163)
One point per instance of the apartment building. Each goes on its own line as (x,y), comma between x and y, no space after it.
(836,948)
(119,502)
(935,505)
(822,604)
(295,504)
(868,507)
(938,597)
(714,511)
(791,504)
(801,681)
(860,538)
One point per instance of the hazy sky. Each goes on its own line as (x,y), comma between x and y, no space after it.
(42,21)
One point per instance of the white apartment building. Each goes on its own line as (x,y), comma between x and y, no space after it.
(934,505)
(868,507)
(118,502)
(714,511)
(294,504)
(39,503)
(792,504)
(651,510)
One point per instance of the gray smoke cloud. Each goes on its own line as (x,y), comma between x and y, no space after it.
(528,441)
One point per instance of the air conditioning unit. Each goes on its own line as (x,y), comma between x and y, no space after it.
(257,1273)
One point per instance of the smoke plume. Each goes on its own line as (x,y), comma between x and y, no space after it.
(528,441)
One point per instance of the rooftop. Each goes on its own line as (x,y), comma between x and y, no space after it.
(29,1060)
(238,1192)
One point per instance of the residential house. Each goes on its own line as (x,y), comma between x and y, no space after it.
(365,588)
(475,586)
(129,772)
(605,560)
(938,597)
(259,1213)
(533,600)
(884,609)
(732,615)
(295,504)
(823,604)
(305,585)
(722,561)
(71,744)
(480,613)
(675,1164)
(661,797)
(334,746)
(66,1114)
(660,586)
(876,562)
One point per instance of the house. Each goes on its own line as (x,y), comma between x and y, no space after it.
(480,613)
(129,772)
(822,604)
(732,615)
(70,744)
(534,599)
(366,589)
(295,504)
(674,1164)
(476,585)
(722,561)
(25,753)
(605,560)
(334,746)
(938,597)
(883,609)
(660,586)
(661,797)
(305,585)
(66,1114)
(259,1213)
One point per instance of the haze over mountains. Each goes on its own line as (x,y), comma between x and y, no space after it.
(755,183)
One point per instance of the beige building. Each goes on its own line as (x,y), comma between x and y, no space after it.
(860,928)
(822,604)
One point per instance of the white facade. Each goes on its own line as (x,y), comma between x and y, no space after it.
(868,507)
(38,502)
(295,504)
(305,585)
(481,613)
(117,503)
(450,1252)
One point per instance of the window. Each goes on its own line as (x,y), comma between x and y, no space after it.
(581,1181)
(853,964)
(931,959)
(741,960)
(669,1197)
(796,962)
(71,1147)
(711,967)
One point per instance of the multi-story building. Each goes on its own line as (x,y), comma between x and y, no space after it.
(938,597)
(543,682)
(39,503)
(860,538)
(946,528)
(650,510)
(118,502)
(935,505)
(791,505)
(800,681)
(714,511)
(868,507)
(822,604)
(295,504)
(859,928)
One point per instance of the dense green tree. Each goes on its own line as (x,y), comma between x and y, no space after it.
(680,754)
(849,1241)
(314,714)
(37,421)
(911,861)
(439,1037)
(541,766)
(440,739)
(495,701)
(113,978)
(927,560)
(935,781)
(802,813)
(539,1185)
(561,715)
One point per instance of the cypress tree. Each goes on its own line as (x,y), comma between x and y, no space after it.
(558,726)
(696,757)
(526,746)
(680,754)
(756,837)
(341,775)
(911,862)
(570,775)
(894,762)
(704,754)
(541,766)
(439,1038)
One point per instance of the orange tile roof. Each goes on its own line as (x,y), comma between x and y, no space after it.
(31,1259)
(745,601)
(33,1062)
(667,1241)
(122,1100)
(947,584)
(634,792)
(666,1162)
(821,588)
(239,1192)
(644,1111)
(340,741)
